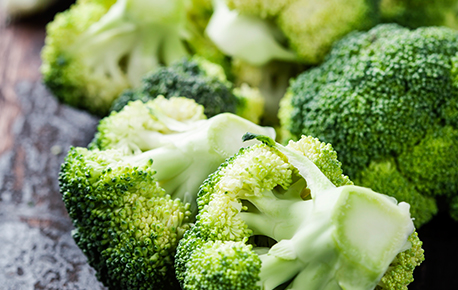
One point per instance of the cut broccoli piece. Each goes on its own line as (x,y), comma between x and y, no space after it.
(271,218)
(387,101)
(96,49)
(126,225)
(205,82)
(130,208)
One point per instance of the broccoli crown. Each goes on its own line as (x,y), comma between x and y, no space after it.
(386,95)
(270,217)
(201,80)
(416,13)
(291,30)
(125,224)
(96,49)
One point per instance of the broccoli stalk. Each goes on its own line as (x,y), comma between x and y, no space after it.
(245,36)
(290,226)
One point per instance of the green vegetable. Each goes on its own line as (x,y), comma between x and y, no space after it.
(294,30)
(387,100)
(132,195)
(274,217)
(199,79)
(97,49)
(414,13)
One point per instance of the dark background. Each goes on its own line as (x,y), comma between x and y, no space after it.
(36,248)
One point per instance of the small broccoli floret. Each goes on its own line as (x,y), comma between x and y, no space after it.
(142,126)
(126,224)
(387,101)
(414,13)
(298,30)
(307,232)
(203,81)
(96,49)
(223,265)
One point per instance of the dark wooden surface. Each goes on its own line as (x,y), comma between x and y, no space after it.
(36,248)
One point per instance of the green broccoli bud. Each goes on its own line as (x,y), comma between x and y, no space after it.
(308,232)
(387,101)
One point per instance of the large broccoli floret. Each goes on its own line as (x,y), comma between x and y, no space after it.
(96,49)
(201,80)
(415,13)
(130,208)
(275,217)
(387,101)
(259,31)
(126,225)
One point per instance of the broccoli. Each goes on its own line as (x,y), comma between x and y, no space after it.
(130,209)
(201,80)
(125,223)
(98,48)
(414,14)
(298,30)
(24,8)
(387,100)
(274,217)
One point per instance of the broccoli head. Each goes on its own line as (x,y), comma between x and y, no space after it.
(201,80)
(387,101)
(274,217)
(126,224)
(96,49)
(291,30)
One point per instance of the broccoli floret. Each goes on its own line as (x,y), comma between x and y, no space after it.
(205,82)
(139,126)
(96,49)
(126,225)
(131,208)
(414,13)
(274,216)
(294,30)
(387,101)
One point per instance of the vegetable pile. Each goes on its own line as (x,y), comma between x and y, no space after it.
(257,144)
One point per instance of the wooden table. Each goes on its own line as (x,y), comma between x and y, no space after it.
(36,248)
